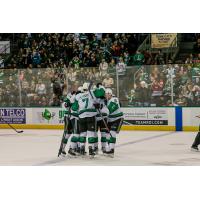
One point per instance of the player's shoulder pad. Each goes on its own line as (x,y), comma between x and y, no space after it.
(78,96)
(72,99)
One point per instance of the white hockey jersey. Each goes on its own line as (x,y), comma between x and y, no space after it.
(84,104)
(114,109)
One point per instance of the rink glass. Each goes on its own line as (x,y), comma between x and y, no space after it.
(136,86)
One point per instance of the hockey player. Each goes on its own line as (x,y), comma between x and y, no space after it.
(115,120)
(68,128)
(75,144)
(86,105)
(196,142)
(100,124)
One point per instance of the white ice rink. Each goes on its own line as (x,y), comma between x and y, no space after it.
(40,148)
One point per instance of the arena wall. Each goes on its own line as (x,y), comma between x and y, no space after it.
(140,118)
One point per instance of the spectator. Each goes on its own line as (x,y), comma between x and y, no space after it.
(148,57)
(157,90)
(40,88)
(196,59)
(127,59)
(36,58)
(112,66)
(108,82)
(121,67)
(75,62)
(131,98)
(155,72)
(116,49)
(44,101)
(34,101)
(103,67)
(92,61)
(181,100)
(170,71)
(184,77)
(25,85)
(142,94)
(21,76)
(159,58)
(138,58)
(98,76)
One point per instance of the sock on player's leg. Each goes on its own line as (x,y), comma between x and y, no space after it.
(91,142)
(65,140)
(74,141)
(82,141)
(112,140)
(103,140)
(91,139)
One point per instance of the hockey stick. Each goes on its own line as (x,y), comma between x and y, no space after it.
(12,126)
(98,110)
(65,127)
(21,131)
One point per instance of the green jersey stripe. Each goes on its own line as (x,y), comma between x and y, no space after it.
(117,115)
(87,110)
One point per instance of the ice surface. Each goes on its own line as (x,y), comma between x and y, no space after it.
(40,148)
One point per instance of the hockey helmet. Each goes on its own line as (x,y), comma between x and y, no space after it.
(80,89)
(108,91)
(85,86)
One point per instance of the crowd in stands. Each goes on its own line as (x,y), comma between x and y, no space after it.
(44,67)
(73,50)
(52,62)
(153,86)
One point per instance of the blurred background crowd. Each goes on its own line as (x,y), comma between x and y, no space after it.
(41,69)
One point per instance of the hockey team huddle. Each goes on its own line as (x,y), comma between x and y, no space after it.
(87,112)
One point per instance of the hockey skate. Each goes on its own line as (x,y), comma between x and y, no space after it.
(110,153)
(96,150)
(103,149)
(82,151)
(78,151)
(91,152)
(194,148)
(71,153)
(63,153)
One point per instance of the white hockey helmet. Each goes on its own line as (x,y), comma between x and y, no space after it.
(94,87)
(108,91)
(80,89)
(102,87)
(85,86)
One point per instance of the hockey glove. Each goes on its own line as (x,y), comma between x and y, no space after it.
(67,104)
(97,105)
